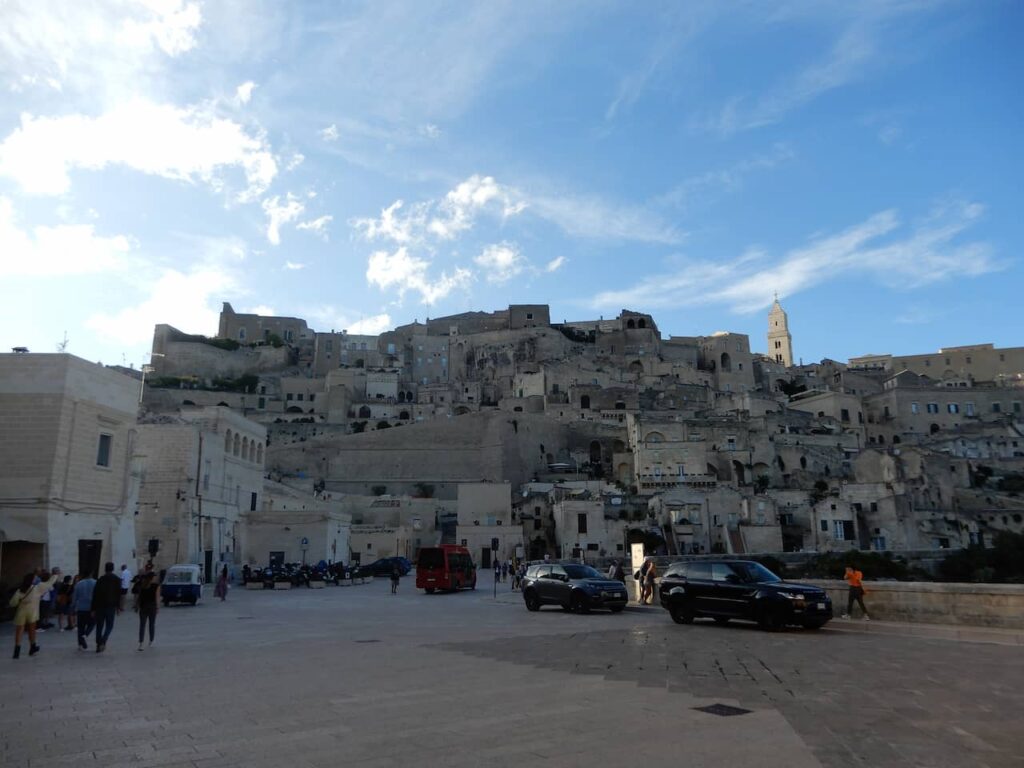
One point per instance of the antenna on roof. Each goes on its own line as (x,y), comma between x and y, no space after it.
(62,346)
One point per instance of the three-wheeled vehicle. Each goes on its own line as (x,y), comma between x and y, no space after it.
(182,584)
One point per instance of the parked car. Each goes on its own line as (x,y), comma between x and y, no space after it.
(446,567)
(575,587)
(182,584)
(740,589)
(383,566)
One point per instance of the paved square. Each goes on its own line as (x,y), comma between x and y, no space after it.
(354,676)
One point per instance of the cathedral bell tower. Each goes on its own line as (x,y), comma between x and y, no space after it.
(780,343)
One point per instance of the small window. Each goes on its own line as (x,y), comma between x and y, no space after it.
(103,450)
(915,408)
(581,523)
(529,315)
(953,408)
(824,526)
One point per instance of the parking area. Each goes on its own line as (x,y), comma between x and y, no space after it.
(360,677)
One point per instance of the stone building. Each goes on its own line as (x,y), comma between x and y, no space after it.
(68,479)
(203,474)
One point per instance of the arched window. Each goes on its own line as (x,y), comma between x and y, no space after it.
(401,397)
(403,415)
(896,440)
(655,437)
(620,405)
(630,323)
(934,428)
(641,323)
(726,362)
(364,412)
(237,445)
(803,462)
(408,397)
(227,441)
(259,454)
(245,448)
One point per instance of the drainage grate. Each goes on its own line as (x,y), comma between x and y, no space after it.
(722,710)
(366,641)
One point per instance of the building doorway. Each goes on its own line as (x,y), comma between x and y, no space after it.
(208,566)
(89,553)
(485,558)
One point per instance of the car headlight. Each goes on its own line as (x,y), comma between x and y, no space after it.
(790,595)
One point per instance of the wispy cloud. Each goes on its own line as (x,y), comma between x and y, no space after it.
(317,226)
(928,253)
(596,219)
(403,272)
(714,183)
(280,212)
(330,133)
(500,262)
(294,265)
(555,264)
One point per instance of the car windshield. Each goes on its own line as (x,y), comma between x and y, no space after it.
(755,573)
(582,572)
(178,577)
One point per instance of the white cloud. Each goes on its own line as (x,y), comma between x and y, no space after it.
(317,226)
(296,160)
(243,93)
(430,131)
(461,205)
(404,272)
(392,225)
(371,326)
(190,301)
(66,249)
(929,253)
(330,133)
(94,49)
(280,213)
(260,309)
(500,262)
(555,264)
(186,144)
(293,265)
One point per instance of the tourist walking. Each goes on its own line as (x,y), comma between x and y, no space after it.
(106,597)
(856,594)
(81,603)
(504,572)
(46,602)
(649,577)
(126,585)
(497,571)
(616,572)
(26,602)
(62,602)
(396,574)
(147,601)
(221,590)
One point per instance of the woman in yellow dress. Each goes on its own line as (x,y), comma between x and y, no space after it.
(26,600)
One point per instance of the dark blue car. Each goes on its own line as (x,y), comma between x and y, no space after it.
(384,566)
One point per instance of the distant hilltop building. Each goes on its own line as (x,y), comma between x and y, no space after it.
(780,342)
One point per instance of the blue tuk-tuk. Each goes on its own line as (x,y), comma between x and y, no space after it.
(182,584)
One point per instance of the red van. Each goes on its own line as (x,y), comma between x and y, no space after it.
(445,567)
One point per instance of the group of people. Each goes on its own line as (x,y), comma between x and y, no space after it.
(505,569)
(84,603)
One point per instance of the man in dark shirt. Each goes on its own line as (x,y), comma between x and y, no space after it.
(105,601)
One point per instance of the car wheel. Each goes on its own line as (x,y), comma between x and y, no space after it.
(721,620)
(429,590)
(532,601)
(192,601)
(770,619)
(578,604)
(681,613)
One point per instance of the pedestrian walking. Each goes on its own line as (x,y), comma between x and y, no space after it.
(106,597)
(147,602)
(617,572)
(396,574)
(221,590)
(649,577)
(62,604)
(81,602)
(26,601)
(504,572)
(856,594)
(126,585)
(497,571)
(46,602)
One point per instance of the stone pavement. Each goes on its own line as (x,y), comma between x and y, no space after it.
(356,677)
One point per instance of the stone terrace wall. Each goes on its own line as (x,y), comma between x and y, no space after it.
(979,605)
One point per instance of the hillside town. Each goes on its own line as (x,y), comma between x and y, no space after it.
(506,432)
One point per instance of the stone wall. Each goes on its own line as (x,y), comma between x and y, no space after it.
(980,605)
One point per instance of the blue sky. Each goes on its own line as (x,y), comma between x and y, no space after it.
(362,165)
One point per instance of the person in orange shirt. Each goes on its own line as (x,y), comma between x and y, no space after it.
(856,581)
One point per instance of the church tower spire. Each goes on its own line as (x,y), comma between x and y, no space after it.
(780,343)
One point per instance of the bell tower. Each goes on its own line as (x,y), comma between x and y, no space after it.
(780,343)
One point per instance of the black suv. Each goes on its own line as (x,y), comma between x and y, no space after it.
(740,589)
(575,587)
